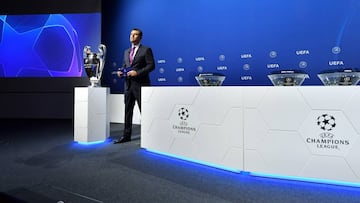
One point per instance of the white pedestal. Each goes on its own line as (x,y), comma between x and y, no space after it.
(91,120)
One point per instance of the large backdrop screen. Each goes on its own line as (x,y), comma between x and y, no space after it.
(244,40)
(46,45)
(46,38)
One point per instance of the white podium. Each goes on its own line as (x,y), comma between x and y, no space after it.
(91,110)
(309,133)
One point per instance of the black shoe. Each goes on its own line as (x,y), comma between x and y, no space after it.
(122,140)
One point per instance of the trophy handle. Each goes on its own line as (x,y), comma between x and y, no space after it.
(102,54)
(86,51)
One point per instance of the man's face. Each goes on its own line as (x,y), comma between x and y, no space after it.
(135,37)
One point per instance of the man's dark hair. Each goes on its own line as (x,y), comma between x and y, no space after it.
(140,32)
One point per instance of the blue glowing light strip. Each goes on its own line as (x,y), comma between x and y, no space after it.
(304,179)
(91,143)
(275,176)
(195,161)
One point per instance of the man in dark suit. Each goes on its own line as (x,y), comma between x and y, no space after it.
(138,63)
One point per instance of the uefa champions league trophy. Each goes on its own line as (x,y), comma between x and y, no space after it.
(94,64)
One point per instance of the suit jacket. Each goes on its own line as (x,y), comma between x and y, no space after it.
(143,63)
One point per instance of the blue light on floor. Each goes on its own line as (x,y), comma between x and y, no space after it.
(92,143)
(263,175)
(303,179)
(194,161)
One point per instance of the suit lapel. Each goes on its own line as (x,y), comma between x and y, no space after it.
(127,56)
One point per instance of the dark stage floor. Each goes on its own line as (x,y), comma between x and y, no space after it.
(41,163)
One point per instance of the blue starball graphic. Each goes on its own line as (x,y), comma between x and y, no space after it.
(43,45)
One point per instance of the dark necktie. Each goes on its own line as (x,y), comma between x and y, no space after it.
(131,56)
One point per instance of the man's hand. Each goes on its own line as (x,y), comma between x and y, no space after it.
(119,73)
(132,73)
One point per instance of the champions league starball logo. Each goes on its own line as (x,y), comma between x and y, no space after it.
(326,122)
(327,139)
(183,113)
(183,126)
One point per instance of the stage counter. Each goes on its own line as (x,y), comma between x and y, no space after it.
(310,132)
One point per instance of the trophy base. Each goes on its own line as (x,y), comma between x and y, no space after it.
(94,82)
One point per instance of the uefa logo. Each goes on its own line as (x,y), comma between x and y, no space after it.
(326,122)
(336,50)
(273,54)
